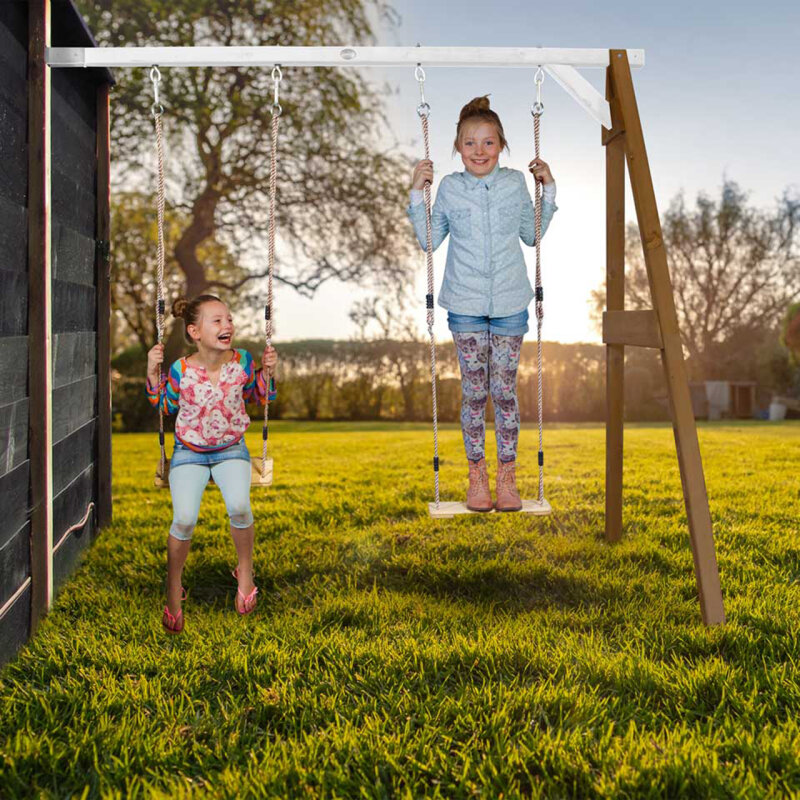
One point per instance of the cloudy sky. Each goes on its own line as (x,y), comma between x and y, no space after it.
(718,97)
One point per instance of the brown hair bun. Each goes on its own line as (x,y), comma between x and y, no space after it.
(478,110)
(476,106)
(179,307)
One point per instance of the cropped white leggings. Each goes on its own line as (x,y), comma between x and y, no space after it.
(187,482)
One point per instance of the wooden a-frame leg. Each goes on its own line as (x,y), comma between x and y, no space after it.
(615,301)
(683,423)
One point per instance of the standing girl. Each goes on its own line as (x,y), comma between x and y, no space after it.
(486,209)
(208,390)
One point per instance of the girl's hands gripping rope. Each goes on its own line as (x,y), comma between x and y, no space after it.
(269,360)
(155,358)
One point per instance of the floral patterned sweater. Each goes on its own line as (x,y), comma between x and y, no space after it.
(211,417)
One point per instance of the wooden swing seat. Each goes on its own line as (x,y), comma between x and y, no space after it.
(449,510)
(162,480)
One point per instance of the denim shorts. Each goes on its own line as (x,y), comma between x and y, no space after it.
(514,325)
(181,454)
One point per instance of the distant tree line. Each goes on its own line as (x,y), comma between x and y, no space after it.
(390,380)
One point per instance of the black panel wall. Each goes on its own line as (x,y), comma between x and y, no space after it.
(15,567)
(74,209)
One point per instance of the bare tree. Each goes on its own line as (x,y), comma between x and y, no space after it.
(734,270)
(133,290)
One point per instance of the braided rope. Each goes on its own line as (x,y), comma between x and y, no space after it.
(539,303)
(273,179)
(160,279)
(429,302)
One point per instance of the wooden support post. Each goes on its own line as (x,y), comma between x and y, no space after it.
(103,277)
(615,301)
(40,368)
(683,423)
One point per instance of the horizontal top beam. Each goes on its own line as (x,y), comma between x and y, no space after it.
(112,57)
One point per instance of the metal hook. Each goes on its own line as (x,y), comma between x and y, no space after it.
(423,109)
(277,77)
(155,77)
(538,107)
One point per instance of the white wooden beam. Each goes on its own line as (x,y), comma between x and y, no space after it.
(584,94)
(349,56)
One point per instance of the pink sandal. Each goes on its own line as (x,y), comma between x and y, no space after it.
(250,598)
(173,624)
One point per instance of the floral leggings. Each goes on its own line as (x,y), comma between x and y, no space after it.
(489,362)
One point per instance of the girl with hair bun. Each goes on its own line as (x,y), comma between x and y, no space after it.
(208,391)
(486,210)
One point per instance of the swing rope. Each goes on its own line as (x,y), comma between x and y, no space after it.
(537,110)
(423,109)
(273,175)
(157,110)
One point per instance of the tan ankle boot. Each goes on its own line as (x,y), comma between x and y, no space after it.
(508,498)
(479,498)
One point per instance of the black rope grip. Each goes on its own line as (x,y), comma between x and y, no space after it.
(539,294)
(161,438)
(161,307)
(264,433)
(428,301)
(541,458)
(267,312)
(436,463)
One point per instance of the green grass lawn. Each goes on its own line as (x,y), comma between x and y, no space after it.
(396,656)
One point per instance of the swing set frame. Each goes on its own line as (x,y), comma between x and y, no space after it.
(623,139)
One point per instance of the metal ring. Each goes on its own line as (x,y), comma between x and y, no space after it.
(156,109)
(279,76)
(423,109)
(539,77)
(419,73)
(276,109)
(537,109)
(155,74)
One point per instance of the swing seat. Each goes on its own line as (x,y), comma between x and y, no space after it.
(162,480)
(255,469)
(449,510)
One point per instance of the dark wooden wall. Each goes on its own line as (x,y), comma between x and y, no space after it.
(79,375)
(15,526)
(74,298)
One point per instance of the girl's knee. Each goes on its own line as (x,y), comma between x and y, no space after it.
(181,530)
(241,518)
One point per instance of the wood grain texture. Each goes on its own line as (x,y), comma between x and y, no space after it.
(15,562)
(15,626)
(103,306)
(633,328)
(39,308)
(615,300)
(14,491)
(13,434)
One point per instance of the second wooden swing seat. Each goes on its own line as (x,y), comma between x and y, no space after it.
(452,509)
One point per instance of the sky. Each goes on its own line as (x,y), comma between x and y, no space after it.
(718,98)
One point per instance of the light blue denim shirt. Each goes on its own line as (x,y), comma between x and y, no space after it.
(485,272)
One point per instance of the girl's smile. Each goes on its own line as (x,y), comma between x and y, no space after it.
(480,149)
(214,329)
